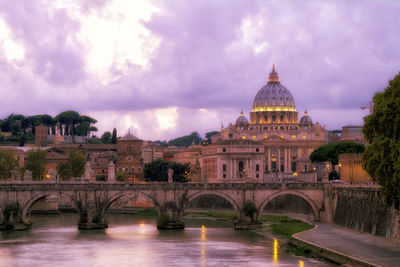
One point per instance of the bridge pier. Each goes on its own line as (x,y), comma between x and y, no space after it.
(12,218)
(170,217)
(91,212)
(248,217)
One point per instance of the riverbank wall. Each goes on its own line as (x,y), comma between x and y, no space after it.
(365,211)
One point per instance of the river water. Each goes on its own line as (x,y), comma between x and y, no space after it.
(54,240)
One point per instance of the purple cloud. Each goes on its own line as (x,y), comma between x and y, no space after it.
(213,55)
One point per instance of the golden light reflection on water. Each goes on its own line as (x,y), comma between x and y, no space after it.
(275,251)
(203,245)
(301,263)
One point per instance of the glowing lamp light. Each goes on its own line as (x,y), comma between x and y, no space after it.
(340,165)
(243,137)
(295,174)
(47,176)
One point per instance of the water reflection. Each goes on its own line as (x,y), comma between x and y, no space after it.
(203,245)
(130,241)
(275,251)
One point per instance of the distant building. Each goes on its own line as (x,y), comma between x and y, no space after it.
(287,142)
(351,170)
(41,135)
(353,133)
(129,157)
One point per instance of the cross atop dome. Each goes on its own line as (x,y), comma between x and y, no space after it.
(273,75)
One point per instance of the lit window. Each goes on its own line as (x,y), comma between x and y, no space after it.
(243,137)
(293,136)
(254,137)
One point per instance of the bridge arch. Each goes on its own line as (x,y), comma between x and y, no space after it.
(26,209)
(299,194)
(128,195)
(228,198)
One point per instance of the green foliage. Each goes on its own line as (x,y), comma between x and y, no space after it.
(114,136)
(186,140)
(120,177)
(74,166)
(94,140)
(210,134)
(7,164)
(290,227)
(106,138)
(330,152)
(249,210)
(63,171)
(157,171)
(147,213)
(36,162)
(382,130)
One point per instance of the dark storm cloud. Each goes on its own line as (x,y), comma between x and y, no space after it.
(212,54)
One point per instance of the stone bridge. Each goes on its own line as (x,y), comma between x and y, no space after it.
(92,199)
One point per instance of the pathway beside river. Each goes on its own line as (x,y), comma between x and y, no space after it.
(373,250)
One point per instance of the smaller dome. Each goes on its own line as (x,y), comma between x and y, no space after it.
(242,119)
(306,120)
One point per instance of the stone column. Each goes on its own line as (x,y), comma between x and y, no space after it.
(286,160)
(269,159)
(230,169)
(111,172)
(63,129)
(88,171)
(278,161)
(289,160)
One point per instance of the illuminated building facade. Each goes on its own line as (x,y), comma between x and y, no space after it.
(286,142)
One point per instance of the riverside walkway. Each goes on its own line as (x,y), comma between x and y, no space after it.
(363,247)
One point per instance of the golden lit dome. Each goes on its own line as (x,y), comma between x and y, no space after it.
(274,96)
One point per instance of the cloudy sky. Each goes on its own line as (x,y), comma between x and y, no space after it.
(167,68)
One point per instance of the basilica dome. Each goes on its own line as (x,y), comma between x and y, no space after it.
(306,120)
(273,96)
(242,119)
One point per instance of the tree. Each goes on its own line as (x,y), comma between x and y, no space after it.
(114,136)
(210,134)
(157,171)
(106,138)
(69,118)
(7,164)
(186,140)
(330,152)
(36,163)
(74,166)
(382,130)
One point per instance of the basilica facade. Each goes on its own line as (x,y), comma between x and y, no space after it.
(273,144)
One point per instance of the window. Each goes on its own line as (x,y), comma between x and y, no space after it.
(224,150)
(266,168)
(224,168)
(257,150)
(293,166)
(224,175)
(257,175)
(120,169)
(282,168)
(241,166)
(128,147)
(133,170)
(257,167)
(273,165)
